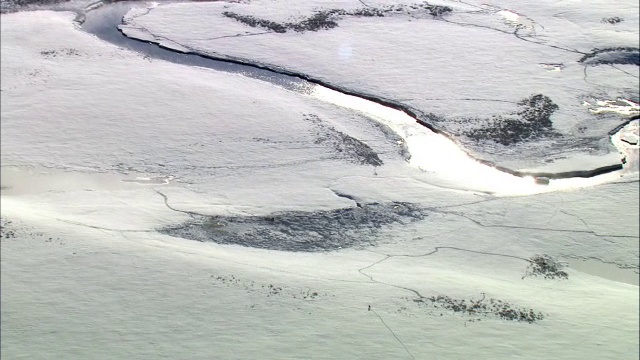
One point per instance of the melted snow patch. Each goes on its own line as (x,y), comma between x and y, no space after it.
(619,106)
(553,67)
(626,140)
(516,20)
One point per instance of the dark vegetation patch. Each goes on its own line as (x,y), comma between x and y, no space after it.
(31,2)
(5,231)
(483,307)
(61,52)
(11,230)
(612,20)
(301,231)
(267,290)
(547,267)
(7,6)
(328,19)
(256,22)
(614,55)
(343,145)
(393,138)
(532,120)
(34,2)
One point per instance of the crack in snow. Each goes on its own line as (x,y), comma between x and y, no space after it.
(548,45)
(393,333)
(166,202)
(436,249)
(496,307)
(478,222)
(102,228)
(232,36)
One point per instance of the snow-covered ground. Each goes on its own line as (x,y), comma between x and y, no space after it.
(102,147)
(465,71)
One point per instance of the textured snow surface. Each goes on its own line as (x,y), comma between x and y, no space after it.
(463,71)
(103,148)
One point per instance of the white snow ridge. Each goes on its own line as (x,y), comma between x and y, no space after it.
(319,179)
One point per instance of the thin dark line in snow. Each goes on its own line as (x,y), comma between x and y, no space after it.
(476,25)
(101,228)
(584,78)
(234,36)
(595,233)
(548,45)
(469,99)
(361,271)
(626,72)
(394,334)
(589,82)
(619,266)
(464,204)
(580,219)
(436,249)
(166,202)
(374,264)
(272,165)
(515,33)
(477,222)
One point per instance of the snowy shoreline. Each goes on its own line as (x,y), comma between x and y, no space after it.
(168,39)
(413,113)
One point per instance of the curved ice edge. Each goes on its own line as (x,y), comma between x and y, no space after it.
(559,175)
(411,112)
(625,123)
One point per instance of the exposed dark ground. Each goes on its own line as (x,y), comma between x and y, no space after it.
(612,20)
(14,5)
(343,145)
(485,307)
(612,56)
(301,231)
(6,231)
(328,19)
(532,120)
(547,267)
(8,6)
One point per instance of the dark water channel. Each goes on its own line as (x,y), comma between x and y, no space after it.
(103,22)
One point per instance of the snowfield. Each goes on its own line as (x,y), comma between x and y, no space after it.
(311,224)
(466,72)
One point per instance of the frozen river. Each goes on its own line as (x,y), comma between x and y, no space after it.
(105,21)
